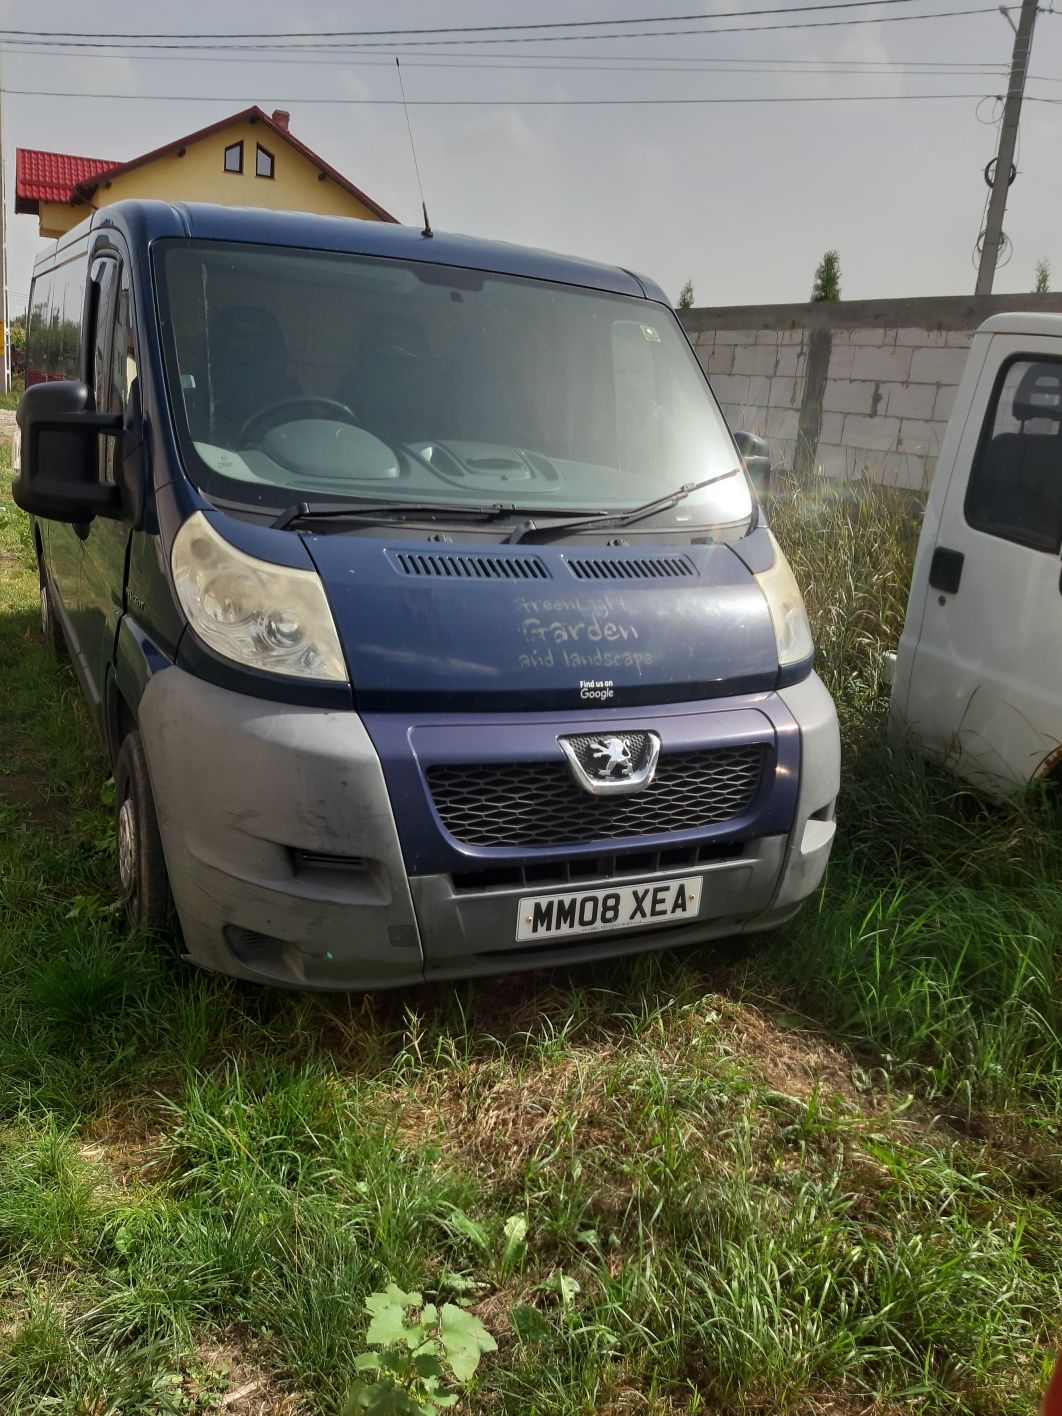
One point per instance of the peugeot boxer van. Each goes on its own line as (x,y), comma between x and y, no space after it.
(421,596)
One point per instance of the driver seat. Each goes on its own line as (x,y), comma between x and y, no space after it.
(248,365)
(393,385)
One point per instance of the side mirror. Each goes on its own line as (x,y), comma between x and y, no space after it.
(756,456)
(59,476)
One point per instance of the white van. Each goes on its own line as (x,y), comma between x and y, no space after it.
(978,676)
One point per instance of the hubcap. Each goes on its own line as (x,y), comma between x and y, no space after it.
(46,613)
(127,846)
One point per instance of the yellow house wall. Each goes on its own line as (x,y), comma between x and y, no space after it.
(57,218)
(200,176)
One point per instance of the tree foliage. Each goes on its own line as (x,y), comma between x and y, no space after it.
(827,284)
(685,299)
(1043,278)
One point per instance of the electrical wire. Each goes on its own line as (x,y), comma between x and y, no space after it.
(540,39)
(507,101)
(451,29)
(606,64)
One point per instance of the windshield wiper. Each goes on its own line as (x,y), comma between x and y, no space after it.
(314,511)
(527,530)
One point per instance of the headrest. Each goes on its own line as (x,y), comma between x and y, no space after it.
(244,333)
(395,337)
(1039,394)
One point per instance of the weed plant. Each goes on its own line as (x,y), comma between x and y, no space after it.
(820,1173)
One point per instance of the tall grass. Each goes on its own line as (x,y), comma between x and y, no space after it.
(937,940)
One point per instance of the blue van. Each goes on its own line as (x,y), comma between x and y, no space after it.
(421,596)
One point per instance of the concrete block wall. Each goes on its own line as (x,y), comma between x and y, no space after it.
(848,388)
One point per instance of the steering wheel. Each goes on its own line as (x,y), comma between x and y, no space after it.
(314,400)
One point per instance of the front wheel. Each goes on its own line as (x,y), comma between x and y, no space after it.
(141,863)
(52,634)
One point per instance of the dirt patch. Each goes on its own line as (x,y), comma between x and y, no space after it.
(130,1151)
(238,1385)
(795,1060)
(502,1118)
(24,791)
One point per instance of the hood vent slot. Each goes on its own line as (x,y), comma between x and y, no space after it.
(472,567)
(631,567)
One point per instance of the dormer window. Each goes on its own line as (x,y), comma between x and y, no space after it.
(234,157)
(263,163)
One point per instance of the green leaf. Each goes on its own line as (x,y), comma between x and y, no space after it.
(382,1399)
(563,1284)
(459,1283)
(465,1339)
(460,1223)
(428,1365)
(388,1311)
(529,1324)
(515,1231)
(367,1362)
(587,1236)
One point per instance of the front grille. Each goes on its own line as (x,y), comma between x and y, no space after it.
(592,870)
(538,803)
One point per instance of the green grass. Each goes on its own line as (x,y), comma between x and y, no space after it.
(822,1173)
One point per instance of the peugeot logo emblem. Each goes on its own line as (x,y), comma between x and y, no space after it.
(612,764)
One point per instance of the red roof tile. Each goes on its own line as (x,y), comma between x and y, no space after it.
(51,176)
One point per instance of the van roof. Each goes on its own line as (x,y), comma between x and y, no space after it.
(1022,322)
(146,221)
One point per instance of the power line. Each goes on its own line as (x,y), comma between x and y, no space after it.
(537,39)
(506,102)
(450,29)
(603,64)
(811,67)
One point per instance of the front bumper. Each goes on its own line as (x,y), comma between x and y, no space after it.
(287,865)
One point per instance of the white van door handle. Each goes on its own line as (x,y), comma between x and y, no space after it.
(945,570)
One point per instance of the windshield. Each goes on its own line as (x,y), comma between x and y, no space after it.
(303,376)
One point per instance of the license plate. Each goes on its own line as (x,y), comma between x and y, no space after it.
(616,907)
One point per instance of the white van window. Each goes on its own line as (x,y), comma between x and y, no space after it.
(299,371)
(1015,487)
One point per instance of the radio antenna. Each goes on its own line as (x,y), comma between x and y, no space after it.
(413,149)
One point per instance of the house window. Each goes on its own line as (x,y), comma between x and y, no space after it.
(263,163)
(234,157)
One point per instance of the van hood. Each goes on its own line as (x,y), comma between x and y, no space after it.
(560,626)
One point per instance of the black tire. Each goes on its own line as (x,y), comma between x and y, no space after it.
(141,863)
(50,631)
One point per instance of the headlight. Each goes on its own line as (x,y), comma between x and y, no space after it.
(266,616)
(786,604)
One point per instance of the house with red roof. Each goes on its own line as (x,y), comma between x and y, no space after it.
(249,159)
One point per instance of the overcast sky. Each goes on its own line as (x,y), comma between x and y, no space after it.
(741,199)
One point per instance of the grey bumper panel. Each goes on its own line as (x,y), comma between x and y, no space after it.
(813,831)
(285,863)
(280,842)
(468,933)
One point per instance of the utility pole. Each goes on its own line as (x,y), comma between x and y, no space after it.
(1008,138)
